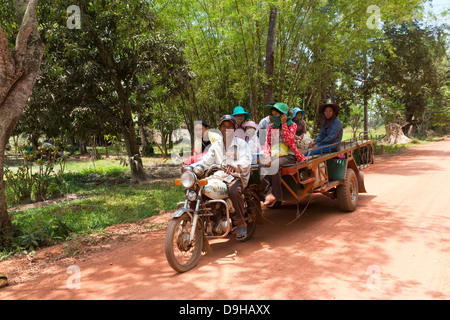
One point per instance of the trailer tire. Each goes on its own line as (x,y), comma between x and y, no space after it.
(347,193)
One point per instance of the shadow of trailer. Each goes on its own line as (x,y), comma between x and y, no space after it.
(338,175)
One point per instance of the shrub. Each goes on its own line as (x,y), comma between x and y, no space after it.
(36,179)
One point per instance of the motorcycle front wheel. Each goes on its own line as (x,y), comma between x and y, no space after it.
(182,253)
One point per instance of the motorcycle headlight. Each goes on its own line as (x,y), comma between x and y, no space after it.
(186,168)
(199,170)
(188,179)
(192,196)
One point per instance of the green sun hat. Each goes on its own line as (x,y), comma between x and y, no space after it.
(267,108)
(240,110)
(281,107)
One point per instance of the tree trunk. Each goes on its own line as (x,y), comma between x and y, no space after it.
(270,55)
(366,97)
(411,127)
(6,229)
(131,145)
(144,141)
(394,135)
(83,148)
(19,68)
(126,120)
(34,140)
(135,161)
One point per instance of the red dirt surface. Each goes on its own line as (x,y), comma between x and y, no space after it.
(396,245)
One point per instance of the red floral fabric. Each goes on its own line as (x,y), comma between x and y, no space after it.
(288,135)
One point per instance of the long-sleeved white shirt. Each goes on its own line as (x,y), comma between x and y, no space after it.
(237,154)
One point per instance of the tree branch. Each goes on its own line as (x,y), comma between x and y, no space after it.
(28,26)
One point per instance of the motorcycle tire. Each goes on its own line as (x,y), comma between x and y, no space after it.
(180,253)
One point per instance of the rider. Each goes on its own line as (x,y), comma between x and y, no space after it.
(236,155)
(331,131)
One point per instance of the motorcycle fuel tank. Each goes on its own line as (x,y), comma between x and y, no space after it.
(216,189)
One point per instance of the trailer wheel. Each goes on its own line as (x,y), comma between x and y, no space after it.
(347,193)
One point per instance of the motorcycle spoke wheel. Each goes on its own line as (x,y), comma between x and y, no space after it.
(181,253)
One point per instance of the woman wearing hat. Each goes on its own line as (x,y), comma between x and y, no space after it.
(241,116)
(301,125)
(285,152)
(330,132)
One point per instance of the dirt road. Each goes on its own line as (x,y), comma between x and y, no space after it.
(396,245)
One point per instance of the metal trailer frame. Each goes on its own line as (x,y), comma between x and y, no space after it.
(324,172)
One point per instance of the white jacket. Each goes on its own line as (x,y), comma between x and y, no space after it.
(238,154)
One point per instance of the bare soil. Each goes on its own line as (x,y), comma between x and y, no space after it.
(396,245)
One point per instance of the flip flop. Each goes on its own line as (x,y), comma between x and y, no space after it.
(241,233)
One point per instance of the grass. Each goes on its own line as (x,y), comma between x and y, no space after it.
(105,207)
(104,204)
(396,148)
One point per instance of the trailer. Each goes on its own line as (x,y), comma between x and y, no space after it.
(338,175)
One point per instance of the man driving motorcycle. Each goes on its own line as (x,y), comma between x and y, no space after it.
(236,155)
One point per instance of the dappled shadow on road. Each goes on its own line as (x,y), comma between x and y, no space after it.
(324,255)
(304,260)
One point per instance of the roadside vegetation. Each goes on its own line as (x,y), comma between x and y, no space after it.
(93,195)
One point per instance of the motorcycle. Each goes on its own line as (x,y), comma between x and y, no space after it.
(206,213)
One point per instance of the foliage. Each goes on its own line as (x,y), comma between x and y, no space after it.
(37,178)
(106,206)
(411,73)
(356,115)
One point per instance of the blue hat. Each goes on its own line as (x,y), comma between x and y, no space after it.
(240,110)
(296,110)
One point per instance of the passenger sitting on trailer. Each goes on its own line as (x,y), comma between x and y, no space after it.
(330,132)
(280,148)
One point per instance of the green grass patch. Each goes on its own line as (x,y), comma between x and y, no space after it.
(104,167)
(107,205)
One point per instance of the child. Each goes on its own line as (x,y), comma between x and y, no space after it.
(253,140)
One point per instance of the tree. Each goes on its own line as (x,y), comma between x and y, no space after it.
(270,52)
(120,53)
(412,64)
(19,67)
